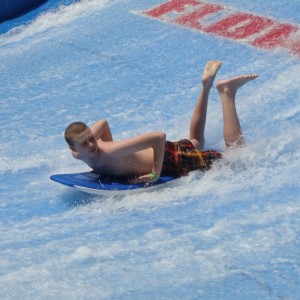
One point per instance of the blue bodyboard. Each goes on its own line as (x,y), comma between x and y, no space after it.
(93,183)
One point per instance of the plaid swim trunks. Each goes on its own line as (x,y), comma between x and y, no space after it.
(181,157)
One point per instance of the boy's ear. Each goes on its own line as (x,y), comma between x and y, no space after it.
(72,148)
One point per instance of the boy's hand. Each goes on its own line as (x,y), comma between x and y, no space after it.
(147,179)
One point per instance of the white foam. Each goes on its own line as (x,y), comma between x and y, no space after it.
(53,19)
(238,219)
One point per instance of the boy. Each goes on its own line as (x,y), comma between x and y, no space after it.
(146,157)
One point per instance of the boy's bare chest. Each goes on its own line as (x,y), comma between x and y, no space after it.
(136,163)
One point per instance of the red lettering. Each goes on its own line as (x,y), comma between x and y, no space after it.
(277,37)
(294,46)
(192,19)
(258,31)
(173,5)
(239,26)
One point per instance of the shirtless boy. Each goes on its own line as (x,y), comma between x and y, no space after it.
(146,157)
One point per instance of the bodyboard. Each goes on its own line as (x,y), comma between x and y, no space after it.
(93,183)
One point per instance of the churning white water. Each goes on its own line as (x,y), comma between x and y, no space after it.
(231,233)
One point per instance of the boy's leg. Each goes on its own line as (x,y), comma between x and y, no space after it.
(198,120)
(227,89)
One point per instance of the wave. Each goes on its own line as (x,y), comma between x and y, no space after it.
(58,160)
(50,19)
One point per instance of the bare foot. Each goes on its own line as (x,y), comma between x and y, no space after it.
(230,86)
(210,72)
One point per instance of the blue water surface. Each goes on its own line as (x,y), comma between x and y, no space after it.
(231,233)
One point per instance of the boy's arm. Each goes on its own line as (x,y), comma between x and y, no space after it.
(102,131)
(155,140)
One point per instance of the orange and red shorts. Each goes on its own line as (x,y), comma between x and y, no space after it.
(181,158)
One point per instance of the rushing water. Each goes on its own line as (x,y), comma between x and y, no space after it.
(231,233)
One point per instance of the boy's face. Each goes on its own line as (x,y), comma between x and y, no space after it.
(85,143)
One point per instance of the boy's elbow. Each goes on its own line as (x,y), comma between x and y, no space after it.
(161,136)
(102,122)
